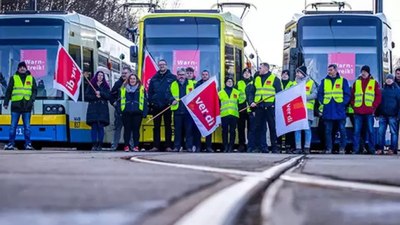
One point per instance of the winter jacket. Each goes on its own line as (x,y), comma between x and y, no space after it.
(114,95)
(334,110)
(390,105)
(132,103)
(363,109)
(23,105)
(159,89)
(98,107)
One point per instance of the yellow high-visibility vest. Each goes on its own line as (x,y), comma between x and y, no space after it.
(241,86)
(141,98)
(290,84)
(175,91)
(335,91)
(229,104)
(368,97)
(309,86)
(20,90)
(264,91)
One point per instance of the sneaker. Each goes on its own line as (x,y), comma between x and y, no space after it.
(297,151)
(168,149)
(9,146)
(154,149)
(174,150)
(29,147)
(379,152)
(126,149)
(306,150)
(342,151)
(210,150)
(328,151)
(136,149)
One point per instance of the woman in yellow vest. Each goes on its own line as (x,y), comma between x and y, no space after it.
(134,109)
(312,93)
(229,98)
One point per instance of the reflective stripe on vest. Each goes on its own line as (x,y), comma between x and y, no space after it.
(22,91)
(141,98)
(241,86)
(368,97)
(175,91)
(229,105)
(309,86)
(264,91)
(335,92)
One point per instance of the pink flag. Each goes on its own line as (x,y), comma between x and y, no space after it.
(150,68)
(68,74)
(203,105)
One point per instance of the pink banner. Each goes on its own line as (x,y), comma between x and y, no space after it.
(186,58)
(36,61)
(346,63)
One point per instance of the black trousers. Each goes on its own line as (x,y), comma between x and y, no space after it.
(243,122)
(228,127)
(167,115)
(132,123)
(264,116)
(197,139)
(183,124)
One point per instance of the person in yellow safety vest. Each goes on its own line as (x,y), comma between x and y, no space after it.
(289,144)
(311,92)
(244,119)
(183,122)
(134,109)
(334,94)
(22,91)
(190,74)
(365,99)
(266,85)
(229,98)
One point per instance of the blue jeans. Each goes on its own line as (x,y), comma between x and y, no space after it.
(26,119)
(307,138)
(328,133)
(97,132)
(361,121)
(393,126)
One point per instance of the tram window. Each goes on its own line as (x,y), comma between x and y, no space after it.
(75,52)
(238,63)
(229,62)
(103,61)
(115,66)
(87,67)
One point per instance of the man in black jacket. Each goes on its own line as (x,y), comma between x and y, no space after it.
(22,92)
(159,94)
(266,85)
(116,102)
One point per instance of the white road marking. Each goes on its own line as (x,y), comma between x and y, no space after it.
(327,182)
(192,167)
(223,207)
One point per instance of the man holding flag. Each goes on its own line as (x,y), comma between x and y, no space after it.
(182,120)
(159,99)
(266,85)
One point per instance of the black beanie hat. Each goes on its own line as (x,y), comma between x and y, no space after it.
(366,69)
(22,64)
(229,78)
(302,69)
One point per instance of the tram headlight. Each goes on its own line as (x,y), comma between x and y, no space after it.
(53,109)
(60,109)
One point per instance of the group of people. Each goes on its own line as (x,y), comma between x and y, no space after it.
(248,105)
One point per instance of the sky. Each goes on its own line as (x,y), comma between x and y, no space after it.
(265,25)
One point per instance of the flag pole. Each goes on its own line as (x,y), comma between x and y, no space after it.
(257,103)
(91,85)
(159,114)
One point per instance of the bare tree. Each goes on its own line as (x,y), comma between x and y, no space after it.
(109,12)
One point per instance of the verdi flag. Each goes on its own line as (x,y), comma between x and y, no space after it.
(150,68)
(291,110)
(68,75)
(203,105)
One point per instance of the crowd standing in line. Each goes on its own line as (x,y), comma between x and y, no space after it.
(364,101)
